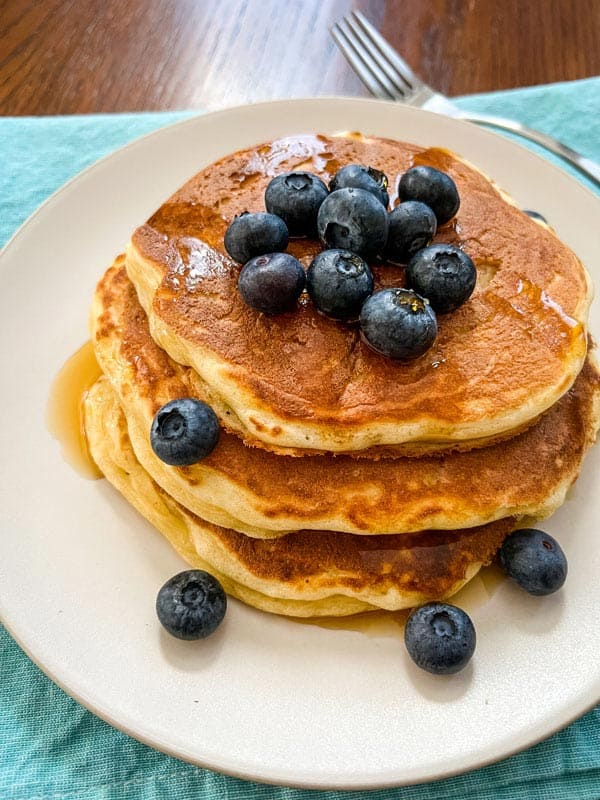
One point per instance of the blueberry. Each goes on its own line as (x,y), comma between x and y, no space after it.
(535,215)
(442,273)
(440,638)
(398,323)
(338,283)
(355,176)
(296,198)
(432,187)
(272,283)
(353,219)
(412,225)
(534,560)
(250,235)
(191,605)
(184,431)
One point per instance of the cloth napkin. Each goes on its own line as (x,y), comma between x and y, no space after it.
(51,748)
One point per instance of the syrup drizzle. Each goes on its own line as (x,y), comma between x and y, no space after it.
(64,417)
(376,624)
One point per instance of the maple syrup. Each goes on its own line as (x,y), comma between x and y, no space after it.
(480,589)
(475,594)
(64,412)
(375,623)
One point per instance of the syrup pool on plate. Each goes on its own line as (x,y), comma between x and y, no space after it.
(64,410)
(378,623)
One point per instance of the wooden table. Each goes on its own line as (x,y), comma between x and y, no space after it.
(80,56)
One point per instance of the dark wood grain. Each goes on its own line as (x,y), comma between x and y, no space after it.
(464,46)
(79,56)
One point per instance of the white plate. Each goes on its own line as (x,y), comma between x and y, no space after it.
(265,698)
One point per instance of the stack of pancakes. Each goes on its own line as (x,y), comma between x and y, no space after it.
(342,480)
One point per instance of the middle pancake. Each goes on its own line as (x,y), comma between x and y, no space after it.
(265,495)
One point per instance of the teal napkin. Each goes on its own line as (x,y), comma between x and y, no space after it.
(51,748)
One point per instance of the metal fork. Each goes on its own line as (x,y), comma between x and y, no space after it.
(387,76)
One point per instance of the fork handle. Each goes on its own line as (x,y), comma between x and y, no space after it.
(585,166)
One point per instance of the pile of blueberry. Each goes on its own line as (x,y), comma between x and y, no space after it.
(351,219)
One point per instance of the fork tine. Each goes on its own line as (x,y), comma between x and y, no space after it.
(357,65)
(356,61)
(386,50)
(392,78)
(364,63)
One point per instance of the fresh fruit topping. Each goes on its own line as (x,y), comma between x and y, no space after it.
(432,187)
(184,431)
(356,176)
(535,560)
(338,283)
(442,273)
(191,605)
(353,219)
(272,283)
(250,235)
(535,215)
(440,638)
(412,225)
(398,323)
(296,198)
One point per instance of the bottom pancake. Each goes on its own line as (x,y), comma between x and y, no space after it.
(306,573)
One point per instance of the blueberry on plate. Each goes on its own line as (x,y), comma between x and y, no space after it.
(442,273)
(272,283)
(398,324)
(353,219)
(191,604)
(184,431)
(412,226)
(250,235)
(296,198)
(338,283)
(535,560)
(440,638)
(356,176)
(535,215)
(434,188)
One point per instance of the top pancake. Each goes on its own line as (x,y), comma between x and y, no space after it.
(300,380)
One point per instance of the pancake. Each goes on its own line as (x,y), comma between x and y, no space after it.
(307,573)
(264,495)
(300,380)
